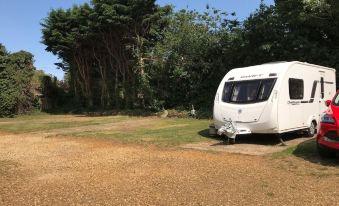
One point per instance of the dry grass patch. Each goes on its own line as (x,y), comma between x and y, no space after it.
(152,130)
(52,122)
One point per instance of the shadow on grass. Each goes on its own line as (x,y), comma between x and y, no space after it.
(205,133)
(308,151)
(257,139)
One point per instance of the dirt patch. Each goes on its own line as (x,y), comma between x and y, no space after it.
(260,147)
(4,133)
(60,171)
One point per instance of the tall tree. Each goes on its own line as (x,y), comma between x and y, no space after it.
(16,71)
(99,44)
(190,57)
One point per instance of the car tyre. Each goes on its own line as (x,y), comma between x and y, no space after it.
(312,130)
(323,152)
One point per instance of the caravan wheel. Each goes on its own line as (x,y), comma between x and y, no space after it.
(312,130)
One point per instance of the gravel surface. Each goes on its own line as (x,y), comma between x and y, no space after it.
(35,170)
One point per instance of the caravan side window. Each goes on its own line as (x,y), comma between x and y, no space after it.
(296,88)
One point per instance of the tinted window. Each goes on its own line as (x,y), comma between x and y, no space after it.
(296,88)
(248,91)
(227,91)
(265,89)
(245,91)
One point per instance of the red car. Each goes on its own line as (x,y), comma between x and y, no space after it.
(328,136)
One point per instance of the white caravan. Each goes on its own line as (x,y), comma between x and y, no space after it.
(274,98)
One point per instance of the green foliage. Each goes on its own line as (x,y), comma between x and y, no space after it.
(292,30)
(16,71)
(128,54)
(132,53)
(189,59)
(99,44)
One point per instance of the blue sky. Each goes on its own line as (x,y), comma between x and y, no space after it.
(20,22)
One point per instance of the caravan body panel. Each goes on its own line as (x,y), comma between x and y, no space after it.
(273,98)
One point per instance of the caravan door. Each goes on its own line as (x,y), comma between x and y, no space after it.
(294,104)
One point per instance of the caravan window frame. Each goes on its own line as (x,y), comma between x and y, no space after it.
(232,84)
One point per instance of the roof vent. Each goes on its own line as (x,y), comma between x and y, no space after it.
(277,62)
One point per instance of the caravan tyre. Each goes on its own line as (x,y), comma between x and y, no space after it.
(312,130)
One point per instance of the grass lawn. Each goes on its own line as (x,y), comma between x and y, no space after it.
(308,161)
(141,130)
(121,128)
(73,169)
(161,131)
(43,122)
(307,148)
(300,159)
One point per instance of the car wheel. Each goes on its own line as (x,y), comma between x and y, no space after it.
(323,152)
(312,130)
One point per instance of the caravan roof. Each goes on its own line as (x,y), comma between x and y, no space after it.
(268,70)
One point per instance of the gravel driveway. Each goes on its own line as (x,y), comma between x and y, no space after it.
(35,170)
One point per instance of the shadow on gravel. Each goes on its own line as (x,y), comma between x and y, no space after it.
(308,151)
(256,139)
(205,133)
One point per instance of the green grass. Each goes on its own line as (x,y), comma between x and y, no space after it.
(44,122)
(159,131)
(306,149)
(35,127)
(285,153)
(309,162)
(163,132)
(30,116)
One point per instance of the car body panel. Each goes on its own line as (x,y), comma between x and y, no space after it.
(328,135)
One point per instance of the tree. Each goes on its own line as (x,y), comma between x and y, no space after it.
(133,53)
(99,44)
(190,65)
(16,71)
